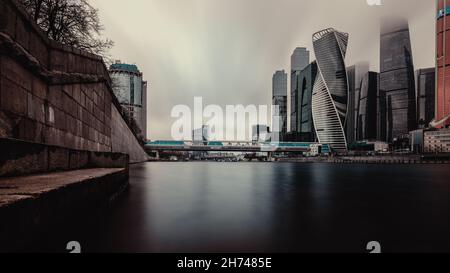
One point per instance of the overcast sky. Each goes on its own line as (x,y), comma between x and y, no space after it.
(227,50)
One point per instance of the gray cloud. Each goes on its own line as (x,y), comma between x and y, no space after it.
(227,50)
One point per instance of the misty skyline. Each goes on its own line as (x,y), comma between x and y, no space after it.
(226,51)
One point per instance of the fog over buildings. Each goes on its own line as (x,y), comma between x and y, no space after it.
(226,51)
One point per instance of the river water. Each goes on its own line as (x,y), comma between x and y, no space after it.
(274,207)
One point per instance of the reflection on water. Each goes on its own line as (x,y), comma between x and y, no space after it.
(267,207)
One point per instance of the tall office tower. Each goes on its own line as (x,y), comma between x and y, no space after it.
(426,96)
(442,115)
(131,92)
(299,60)
(355,75)
(397,85)
(305,124)
(330,93)
(279,98)
(366,117)
(201,135)
(260,133)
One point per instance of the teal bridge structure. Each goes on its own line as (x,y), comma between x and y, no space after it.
(236,146)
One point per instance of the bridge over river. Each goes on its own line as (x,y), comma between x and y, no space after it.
(237,146)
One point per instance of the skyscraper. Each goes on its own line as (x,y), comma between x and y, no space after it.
(131,91)
(397,96)
(260,133)
(442,115)
(366,117)
(305,124)
(201,135)
(279,98)
(426,96)
(299,60)
(330,93)
(355,76)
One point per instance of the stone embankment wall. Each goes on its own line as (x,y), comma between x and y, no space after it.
(26,158)
(57,95)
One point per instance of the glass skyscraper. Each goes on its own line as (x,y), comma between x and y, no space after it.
(426,96)
(355,76)
(397,99)
(299,60)
(330,93)
(131,92)
(442,111)
(279,98)
(260,133)
(305,124)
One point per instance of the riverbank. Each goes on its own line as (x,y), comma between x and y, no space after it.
(410,159)
(387,159)
(34,204)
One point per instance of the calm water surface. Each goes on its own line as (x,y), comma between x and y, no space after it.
(271,207)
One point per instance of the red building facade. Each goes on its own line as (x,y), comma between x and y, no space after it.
(442,118)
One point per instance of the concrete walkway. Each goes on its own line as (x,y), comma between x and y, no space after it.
(38,204)
(29,187)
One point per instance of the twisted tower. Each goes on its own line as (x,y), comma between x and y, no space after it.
(330,93)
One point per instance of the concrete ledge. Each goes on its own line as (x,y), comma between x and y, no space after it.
(32,205)
(22,158)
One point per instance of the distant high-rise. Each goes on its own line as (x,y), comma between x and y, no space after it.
(305,124)
(260,133)
(426,96)
(279,84)
(442,112)
(299,60)
(355,76)
(279,98)
(366,117)
(131,92)
(397,98)
(330,93)
(201,135)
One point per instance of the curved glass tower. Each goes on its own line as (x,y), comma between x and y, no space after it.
(330,93)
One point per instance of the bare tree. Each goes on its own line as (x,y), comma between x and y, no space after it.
(71,22)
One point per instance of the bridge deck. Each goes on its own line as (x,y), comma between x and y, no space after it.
(206,148)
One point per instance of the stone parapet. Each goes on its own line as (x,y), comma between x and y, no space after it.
(57,95)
